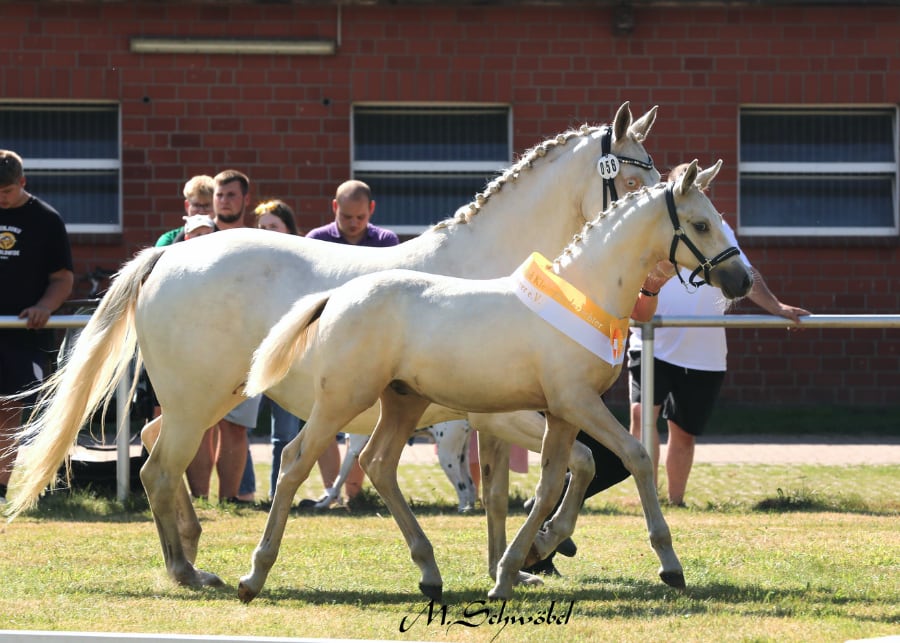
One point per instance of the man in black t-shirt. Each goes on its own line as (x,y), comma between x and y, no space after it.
(36,278)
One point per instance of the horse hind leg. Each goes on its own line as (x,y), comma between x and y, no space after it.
(493,454)
(379,459)
(176,522)
(189,528)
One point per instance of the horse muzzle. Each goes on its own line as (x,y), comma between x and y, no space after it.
(733,278)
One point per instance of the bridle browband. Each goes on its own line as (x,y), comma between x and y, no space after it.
(609,184)
(705,264)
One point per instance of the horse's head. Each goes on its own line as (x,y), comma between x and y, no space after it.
(622,164)
(700,234)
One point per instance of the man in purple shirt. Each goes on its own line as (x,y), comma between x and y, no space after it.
(353,207)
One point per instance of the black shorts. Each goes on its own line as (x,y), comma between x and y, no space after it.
(21,367)
(687,396)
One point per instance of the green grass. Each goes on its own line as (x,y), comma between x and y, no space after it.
(771,553)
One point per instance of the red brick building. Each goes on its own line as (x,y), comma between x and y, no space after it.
(799,99)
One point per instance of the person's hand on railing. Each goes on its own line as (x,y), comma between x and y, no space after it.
(35,316)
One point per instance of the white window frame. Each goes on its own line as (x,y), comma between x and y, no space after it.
(837,169)
(421,168)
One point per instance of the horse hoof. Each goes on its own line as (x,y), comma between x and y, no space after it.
(673,579)
(524,578)
(245,594)
(199,578)
(499,594)
(434,592)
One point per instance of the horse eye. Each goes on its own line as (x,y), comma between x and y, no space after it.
(701,226)
(632,183)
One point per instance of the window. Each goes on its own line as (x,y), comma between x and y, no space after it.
(424,162)
(72,158)
(828,171)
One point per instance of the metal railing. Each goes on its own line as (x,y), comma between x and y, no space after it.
(648,419)
(648,435)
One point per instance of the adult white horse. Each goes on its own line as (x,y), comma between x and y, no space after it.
(196,311)
(550,337)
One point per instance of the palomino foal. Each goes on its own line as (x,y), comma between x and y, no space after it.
(548,337)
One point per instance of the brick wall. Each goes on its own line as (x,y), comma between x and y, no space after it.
(285,121)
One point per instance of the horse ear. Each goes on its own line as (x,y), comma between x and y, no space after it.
(641,127)
(622,121)
(686,181)
(705,177)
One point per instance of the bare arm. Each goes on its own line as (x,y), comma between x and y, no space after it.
(761,296)
(58,290)
(645,306)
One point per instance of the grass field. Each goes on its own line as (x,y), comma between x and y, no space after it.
(771,553)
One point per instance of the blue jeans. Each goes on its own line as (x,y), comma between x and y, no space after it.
(248,480)
(285,428)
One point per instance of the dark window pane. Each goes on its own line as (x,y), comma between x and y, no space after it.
(804,201)
(60,131)
(817,136)
(430,134)
(80,197)
(420,199)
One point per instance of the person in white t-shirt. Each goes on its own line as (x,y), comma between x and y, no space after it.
(689,363)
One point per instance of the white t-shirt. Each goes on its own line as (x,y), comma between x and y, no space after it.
(702,348)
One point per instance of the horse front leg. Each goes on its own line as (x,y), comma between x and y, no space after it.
(557,445)
(379,459)
(176,521)
(603,426)
(562,524)
(297,460)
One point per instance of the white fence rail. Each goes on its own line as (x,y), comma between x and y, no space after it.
(648,435)
(647,333)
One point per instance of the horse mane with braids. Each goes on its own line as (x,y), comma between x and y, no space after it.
(579,236)
(465,214)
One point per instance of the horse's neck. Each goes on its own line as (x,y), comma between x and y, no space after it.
(539,211)
(616,253)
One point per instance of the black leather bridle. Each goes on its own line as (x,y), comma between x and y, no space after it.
(680,235)
(609,184)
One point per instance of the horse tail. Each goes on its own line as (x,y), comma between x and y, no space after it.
(86,379)
(287,341)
